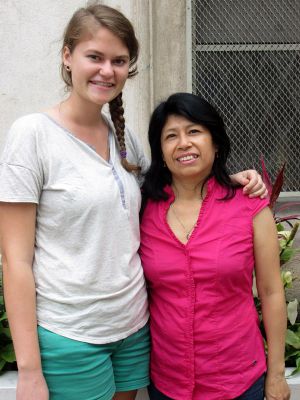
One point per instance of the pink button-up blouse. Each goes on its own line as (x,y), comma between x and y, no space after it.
(206,342)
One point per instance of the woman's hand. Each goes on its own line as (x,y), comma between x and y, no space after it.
(31,386)
(252,182)
(276,388)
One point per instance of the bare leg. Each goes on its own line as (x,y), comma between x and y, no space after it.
(125,395)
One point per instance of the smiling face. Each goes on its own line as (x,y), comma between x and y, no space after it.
(99,67)
(188,149)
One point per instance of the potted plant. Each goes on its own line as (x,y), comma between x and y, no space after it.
(287,227)
(7,355)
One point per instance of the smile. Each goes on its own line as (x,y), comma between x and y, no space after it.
(187,158)
(102,84)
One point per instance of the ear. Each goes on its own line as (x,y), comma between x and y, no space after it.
(67,56)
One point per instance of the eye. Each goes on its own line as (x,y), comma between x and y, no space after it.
(194,131)
(119,62)
(170,136)
(94,57)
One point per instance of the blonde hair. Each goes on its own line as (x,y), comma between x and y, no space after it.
(84,21)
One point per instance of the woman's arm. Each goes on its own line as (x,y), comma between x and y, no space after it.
(252,182)
(271,294)
(17,236)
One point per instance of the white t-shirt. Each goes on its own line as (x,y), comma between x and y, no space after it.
(88,275)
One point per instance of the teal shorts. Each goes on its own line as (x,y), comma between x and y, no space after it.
(82,371)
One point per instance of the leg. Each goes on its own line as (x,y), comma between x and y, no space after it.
(125,395)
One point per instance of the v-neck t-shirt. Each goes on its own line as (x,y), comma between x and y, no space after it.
(88,275)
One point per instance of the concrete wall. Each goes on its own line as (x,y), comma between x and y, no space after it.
(30,36)
(30,40)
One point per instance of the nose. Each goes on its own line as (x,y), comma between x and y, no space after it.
(106,69)
(183,141)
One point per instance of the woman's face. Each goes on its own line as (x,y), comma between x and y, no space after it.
(187,149)
(99,66)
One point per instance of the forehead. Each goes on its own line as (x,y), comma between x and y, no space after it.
(102,39)
(174,122)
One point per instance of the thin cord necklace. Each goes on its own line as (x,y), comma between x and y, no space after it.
(187,232)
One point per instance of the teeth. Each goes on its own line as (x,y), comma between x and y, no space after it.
(107,84)
(187,158)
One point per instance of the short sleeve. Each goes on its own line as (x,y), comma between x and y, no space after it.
(137,152)
(21,177)
(256,204)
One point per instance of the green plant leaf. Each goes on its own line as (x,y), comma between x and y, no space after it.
(287,278)
(292,311)
(8,354)
(279,227)
(286,254)
(2,363)
(294,231)
(3,316)
(291,353)
(284,234)
(5,331)
(292,339)
(297,369)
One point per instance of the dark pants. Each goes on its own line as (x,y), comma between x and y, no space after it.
(255,392)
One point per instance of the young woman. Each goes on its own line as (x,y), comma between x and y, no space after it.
(200,240)
(69,225)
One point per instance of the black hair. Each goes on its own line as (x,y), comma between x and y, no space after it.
(195,109)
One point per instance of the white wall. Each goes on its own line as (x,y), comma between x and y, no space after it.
(30,37)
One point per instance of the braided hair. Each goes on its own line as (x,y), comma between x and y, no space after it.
(117,115)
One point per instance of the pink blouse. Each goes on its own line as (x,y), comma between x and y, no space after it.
(206,342)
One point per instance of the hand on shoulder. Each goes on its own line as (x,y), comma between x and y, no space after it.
(252,182)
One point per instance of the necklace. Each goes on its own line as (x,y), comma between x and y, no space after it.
(187,231)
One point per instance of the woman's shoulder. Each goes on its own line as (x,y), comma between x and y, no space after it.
(242,203)
(30,118)
(28,124)
(27,133)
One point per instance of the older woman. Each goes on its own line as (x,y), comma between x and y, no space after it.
(201,239)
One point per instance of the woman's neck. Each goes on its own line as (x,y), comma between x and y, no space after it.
(189,191)
(79,112)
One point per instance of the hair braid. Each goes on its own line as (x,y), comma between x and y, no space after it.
(117,115)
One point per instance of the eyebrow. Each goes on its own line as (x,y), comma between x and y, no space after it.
(173,128)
